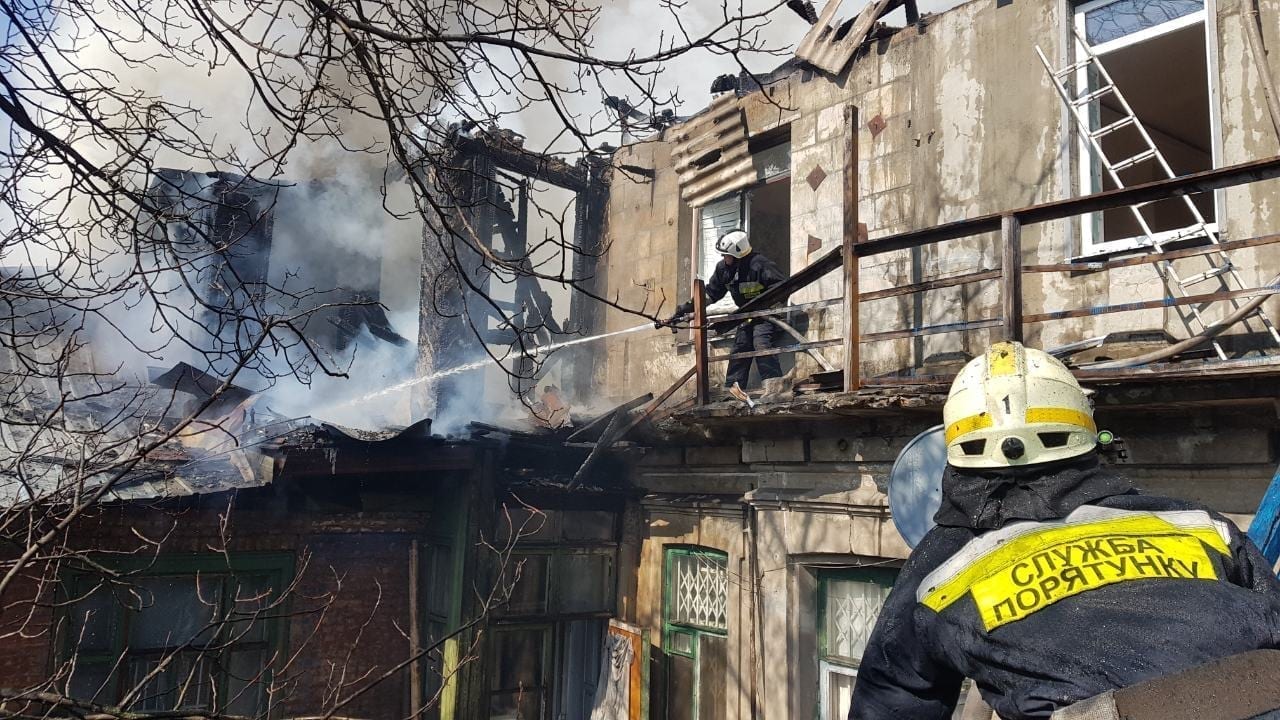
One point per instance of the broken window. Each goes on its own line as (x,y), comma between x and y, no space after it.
(198,639)
(695,632)
(561,576)
(1156,54)
(849,601)
(519,678)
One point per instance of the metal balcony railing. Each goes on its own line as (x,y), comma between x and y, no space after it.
(1009,224)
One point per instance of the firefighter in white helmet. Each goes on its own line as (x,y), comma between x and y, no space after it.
(1048,579)
(742,274)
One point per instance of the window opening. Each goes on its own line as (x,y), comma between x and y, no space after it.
(547,664)
(519,679)
(714,220)
(763,210)
(212,625)
(1157,55)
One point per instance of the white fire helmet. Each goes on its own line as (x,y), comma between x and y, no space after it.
(734,244)
(1016,406)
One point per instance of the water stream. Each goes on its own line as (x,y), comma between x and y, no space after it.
(482,362)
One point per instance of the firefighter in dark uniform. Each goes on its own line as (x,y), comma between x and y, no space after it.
(744,275)
(1048,579)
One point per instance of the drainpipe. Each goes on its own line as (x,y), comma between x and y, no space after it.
(757,633)
(1257,48)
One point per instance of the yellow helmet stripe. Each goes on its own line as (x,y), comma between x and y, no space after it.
(1064,416)
(967,425)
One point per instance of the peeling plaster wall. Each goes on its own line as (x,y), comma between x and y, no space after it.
(707,526)
(817,488)
(956,120)
(643,222)
(1247,134)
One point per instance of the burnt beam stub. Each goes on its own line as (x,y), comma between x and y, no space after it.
(506,154)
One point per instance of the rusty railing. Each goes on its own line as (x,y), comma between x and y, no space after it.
(1009,224)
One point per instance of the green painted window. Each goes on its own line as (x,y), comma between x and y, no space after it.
(697,589)
(849,602)
(695,613)
(181,633)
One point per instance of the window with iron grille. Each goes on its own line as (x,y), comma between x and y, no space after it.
(695,611)
(699,588)
(185,634)
(849,602)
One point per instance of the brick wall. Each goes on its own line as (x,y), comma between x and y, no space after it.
(354,567)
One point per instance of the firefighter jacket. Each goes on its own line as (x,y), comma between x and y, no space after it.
(1050,585)
(745,279)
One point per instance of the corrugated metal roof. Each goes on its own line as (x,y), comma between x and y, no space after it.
(711,154)
(826,49)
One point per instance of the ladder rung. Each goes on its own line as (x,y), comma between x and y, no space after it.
(1108,129)
(1086,99)
(1191,231)
(1140,157)
(1073,67)
(1206,275)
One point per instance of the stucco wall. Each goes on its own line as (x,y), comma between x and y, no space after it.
(816,489)
(956,120)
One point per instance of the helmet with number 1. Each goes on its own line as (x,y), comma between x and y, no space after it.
(734,244)
(1016,406)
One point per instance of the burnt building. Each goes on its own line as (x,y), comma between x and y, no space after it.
(921,179)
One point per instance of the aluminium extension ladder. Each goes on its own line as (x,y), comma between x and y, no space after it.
(1220,264)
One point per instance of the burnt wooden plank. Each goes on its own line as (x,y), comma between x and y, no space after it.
(1011,271)
(852,330)
(657,403)
(703,383)
(603,419)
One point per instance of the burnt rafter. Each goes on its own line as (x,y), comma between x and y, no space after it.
(507,154)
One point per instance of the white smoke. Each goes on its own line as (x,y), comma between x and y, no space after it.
(347,216)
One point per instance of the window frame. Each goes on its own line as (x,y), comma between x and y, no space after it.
(71,590)
(776,141)
(882,577)
(828,663)
(668,588)
(552,591)
(1089,171)
(672,628)
(547,683)
(700,254)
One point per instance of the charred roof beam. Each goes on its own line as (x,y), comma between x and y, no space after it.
(507,154)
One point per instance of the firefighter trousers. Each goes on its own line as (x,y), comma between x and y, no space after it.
(753,335)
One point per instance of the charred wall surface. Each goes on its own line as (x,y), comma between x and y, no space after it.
(347,615)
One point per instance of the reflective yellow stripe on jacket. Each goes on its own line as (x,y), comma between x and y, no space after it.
(1022,568)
